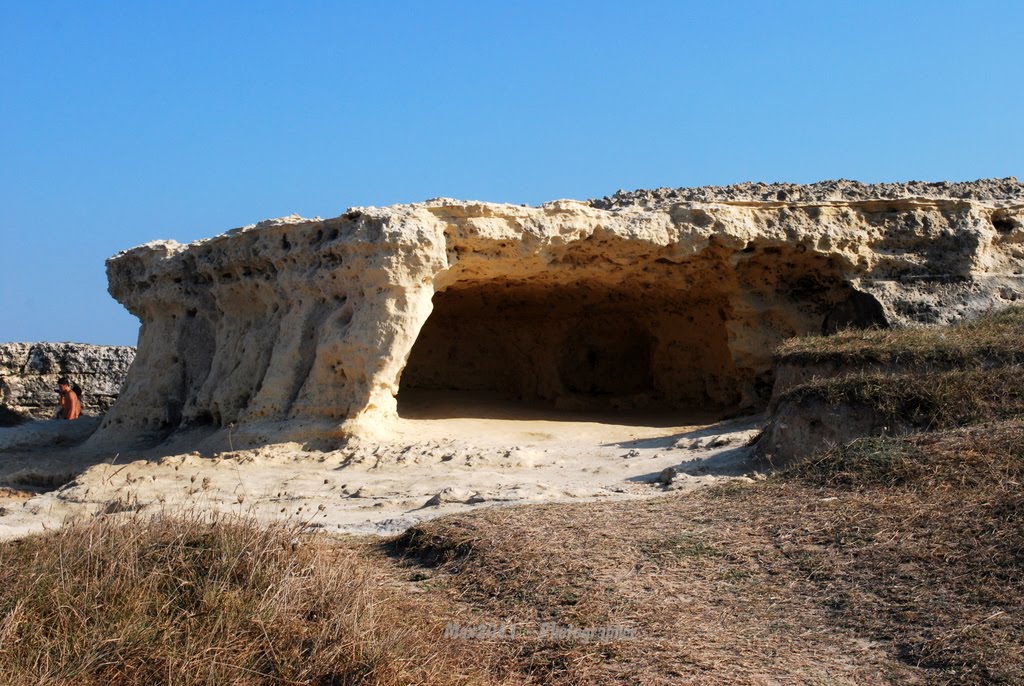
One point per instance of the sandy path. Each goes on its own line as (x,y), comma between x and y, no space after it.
(434,462)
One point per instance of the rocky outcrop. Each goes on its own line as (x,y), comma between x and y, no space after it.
(841,190)
(655,299)
(29,374)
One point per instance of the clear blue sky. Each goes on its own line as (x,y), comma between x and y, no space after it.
(125,122)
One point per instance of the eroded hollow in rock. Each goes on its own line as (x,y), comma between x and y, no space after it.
(646,332)
(576,346)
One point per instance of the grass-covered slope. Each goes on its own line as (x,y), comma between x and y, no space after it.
(833,389)
(179,600)
(991,340)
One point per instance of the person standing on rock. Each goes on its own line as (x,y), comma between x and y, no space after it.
(70,404)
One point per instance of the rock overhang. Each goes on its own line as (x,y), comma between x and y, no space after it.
(314,322)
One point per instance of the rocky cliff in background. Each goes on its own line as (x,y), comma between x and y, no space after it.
(29,374)
(667,299)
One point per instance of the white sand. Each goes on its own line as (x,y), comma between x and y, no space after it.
(436,454)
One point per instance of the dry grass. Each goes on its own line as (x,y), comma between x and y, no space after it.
(929,548)
(896,561)
(981,456)
(186,601)
(990,340)
(929,400)
(711,599)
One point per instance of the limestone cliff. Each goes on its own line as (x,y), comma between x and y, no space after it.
(29,374)
(652,299)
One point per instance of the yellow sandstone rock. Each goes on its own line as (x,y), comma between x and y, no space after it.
(665,300)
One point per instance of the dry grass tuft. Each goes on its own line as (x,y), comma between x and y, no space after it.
(927,400)
(180,600)
(963,459)
(993,339)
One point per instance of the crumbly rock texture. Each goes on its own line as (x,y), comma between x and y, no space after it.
(29,374)
(651,300)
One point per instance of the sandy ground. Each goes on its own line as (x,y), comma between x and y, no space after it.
(443,456)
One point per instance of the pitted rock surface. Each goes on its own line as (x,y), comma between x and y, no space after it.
(664,300)
(29,374)
(841,190)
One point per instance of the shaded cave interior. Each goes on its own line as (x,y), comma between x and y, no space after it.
(642,336)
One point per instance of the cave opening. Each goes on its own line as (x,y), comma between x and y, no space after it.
(569,348)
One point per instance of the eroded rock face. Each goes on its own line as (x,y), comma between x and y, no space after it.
(29,374)
(656,299)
